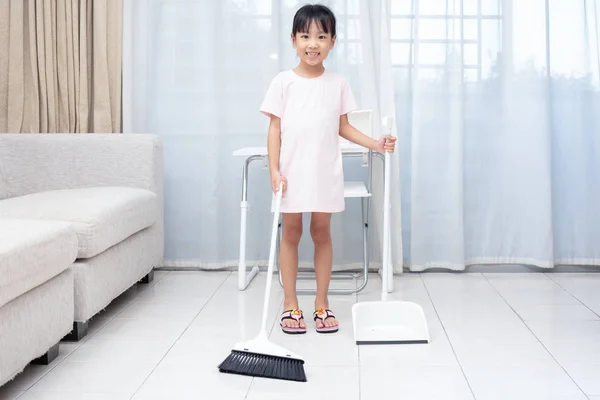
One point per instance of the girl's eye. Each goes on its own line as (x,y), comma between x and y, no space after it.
(304,36)
(321,37)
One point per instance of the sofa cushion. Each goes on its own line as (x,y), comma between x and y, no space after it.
(101,216)
(31,253)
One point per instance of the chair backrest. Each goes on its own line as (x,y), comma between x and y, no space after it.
(361,120)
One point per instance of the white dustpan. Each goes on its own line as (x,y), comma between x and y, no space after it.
(388,322)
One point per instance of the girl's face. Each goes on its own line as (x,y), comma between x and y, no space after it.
(313,46)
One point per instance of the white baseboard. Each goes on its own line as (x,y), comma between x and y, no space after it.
(232,265)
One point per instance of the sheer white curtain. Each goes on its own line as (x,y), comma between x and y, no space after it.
(496,112)
(499,131)
(195,72)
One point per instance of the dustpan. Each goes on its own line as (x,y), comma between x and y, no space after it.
(384,321)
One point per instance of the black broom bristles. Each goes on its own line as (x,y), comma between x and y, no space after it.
(264,366)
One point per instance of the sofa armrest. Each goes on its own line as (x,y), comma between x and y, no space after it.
(31,163)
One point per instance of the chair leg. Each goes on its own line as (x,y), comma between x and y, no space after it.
(365,231)
(245,276)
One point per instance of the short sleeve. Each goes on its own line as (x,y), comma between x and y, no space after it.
(273,101)
(348,103)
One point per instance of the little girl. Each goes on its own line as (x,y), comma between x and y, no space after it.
(308,108)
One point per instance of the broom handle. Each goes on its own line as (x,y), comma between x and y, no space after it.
(271,259)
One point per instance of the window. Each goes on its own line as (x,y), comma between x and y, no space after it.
(348,30)
(437,34)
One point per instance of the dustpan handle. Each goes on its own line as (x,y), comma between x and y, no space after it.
(387,128)
(271,258)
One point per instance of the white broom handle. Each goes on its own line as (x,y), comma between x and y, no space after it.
(271,258)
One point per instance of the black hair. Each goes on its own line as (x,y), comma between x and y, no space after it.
(322,15)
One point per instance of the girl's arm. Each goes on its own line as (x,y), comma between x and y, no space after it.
(274,143)
(352,134)
(273,150)
(348,132)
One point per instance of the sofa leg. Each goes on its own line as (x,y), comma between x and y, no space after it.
(48,357)
(79,331)
(148,278)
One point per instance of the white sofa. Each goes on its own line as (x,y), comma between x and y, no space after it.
(36,291)
(94,201)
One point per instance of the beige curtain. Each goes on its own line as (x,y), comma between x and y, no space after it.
(60,66)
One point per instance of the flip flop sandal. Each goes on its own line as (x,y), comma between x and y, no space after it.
(323,314)
(295,315)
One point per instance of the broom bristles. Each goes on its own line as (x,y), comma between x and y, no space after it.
(264,366)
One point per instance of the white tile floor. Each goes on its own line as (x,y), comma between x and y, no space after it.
(494,336)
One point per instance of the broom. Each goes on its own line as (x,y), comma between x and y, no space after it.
(259,357)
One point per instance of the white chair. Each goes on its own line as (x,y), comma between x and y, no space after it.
(363,121)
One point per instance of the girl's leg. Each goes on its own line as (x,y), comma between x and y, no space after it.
(288,261)
(321,236)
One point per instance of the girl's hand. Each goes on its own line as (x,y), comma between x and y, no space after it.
(386,143)
(276,178)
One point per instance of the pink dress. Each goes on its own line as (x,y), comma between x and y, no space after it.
(310,156)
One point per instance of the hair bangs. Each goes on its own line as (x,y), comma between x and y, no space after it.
(320,14)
